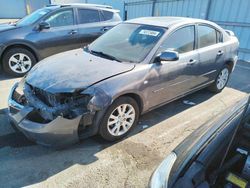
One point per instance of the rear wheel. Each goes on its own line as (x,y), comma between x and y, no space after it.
(18,61)
(119,119)
(221,80)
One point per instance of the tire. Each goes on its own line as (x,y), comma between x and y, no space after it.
(217,87)
(14,127)
(119,132)
(18,61)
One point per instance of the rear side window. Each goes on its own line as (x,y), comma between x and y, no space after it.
(107,15)
(207,36)
(181,40)
(88,16)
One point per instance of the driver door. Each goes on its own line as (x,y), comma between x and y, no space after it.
(175,78)
(61,36)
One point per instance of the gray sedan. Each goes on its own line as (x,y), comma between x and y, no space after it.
(135,67)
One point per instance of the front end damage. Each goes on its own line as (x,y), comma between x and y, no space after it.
(54,119)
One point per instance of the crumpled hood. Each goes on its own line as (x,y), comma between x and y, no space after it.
(73,70)
(6,27)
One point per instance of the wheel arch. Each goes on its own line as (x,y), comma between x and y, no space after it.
(136,97)
(19,45)
(230,64)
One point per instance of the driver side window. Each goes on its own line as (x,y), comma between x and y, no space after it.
(180,41)
(62,18)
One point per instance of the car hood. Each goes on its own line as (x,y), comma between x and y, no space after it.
(73,70)
(6,27)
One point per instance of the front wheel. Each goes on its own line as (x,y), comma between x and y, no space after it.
(221,80)
(119,119)
(18,61)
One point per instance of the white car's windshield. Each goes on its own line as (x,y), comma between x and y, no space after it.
(127,42)
(33,17)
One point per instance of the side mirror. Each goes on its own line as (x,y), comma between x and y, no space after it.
(44,25)
(167,55)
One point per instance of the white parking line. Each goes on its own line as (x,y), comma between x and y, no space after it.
(243,67)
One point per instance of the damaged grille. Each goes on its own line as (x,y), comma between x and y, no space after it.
(47,98)
(68,105)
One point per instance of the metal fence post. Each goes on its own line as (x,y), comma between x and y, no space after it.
(27,7)
(125,12)
(153,8)
(208,9)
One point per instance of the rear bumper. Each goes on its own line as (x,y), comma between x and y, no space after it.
(234,62)
(57,133)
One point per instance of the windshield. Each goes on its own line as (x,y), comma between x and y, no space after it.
(128,42)
(33,17)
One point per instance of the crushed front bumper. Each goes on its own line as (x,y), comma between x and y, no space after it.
(57,133)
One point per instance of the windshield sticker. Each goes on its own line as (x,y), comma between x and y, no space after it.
(149,32)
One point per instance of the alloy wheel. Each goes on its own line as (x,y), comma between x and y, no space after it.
(20,63)
(121,119)
(222,78)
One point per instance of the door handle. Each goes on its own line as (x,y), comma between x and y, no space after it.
(220,52)
(191,62)
(72,32)
(104,29)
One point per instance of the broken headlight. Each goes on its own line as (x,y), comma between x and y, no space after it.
(75,104)
(50,105)
(20,87)
(18,94)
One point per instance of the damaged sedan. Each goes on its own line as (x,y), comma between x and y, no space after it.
(135,67)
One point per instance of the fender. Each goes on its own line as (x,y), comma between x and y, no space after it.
(21,43)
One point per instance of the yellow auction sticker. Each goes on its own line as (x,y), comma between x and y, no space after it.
(236,180)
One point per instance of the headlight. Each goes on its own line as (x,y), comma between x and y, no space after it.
(160,177)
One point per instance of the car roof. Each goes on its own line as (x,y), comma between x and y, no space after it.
(85,5)
(166,21)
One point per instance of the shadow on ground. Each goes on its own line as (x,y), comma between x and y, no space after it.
(240,77)
(4,76)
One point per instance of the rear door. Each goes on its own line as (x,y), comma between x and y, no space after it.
(92,23)
(62,34)
(211,51)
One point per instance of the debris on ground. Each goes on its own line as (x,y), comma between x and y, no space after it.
(187,102)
